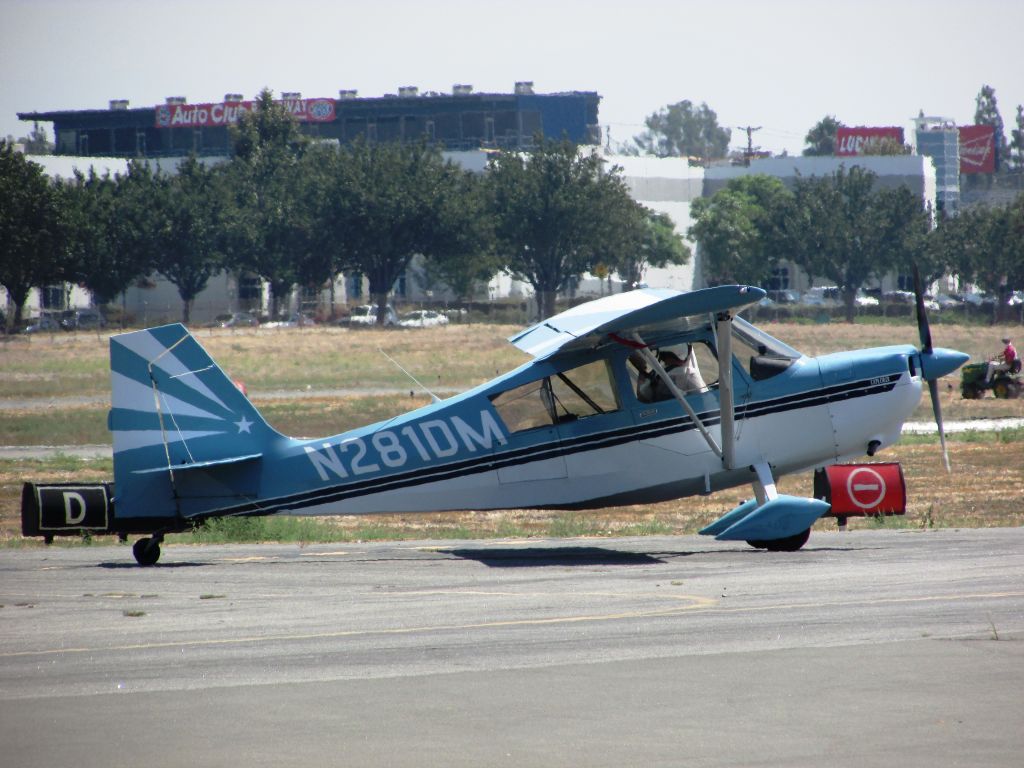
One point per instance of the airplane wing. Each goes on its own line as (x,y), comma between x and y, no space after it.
(653,313)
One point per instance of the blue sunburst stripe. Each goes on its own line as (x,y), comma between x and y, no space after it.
(177,379)
(134,439)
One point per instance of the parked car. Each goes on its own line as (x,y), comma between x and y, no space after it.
(423,318)
(82,320)
(784,297)
(907,297)
(294,320)
(825,296)
(43,324)
(235,320)
(365,316)
(864,300)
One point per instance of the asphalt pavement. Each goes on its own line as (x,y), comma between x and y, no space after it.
(866,648)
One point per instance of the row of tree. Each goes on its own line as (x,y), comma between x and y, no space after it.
(844,229)
(685,129)
(298,213)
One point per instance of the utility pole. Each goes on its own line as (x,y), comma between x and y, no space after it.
(750,141)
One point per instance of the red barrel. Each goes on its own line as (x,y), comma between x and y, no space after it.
(862,489)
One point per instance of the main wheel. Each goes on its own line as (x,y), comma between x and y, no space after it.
(787,544)
(146,551)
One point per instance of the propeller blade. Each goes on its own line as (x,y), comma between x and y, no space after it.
(933,389)
(923,329)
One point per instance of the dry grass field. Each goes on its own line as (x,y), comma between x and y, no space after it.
(40,377)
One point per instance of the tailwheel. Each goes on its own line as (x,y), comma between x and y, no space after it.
(786,544)
(146,551)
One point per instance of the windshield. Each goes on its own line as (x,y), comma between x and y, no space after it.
(760,341)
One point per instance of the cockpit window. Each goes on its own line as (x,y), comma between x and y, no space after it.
(762,355)
(576,394)
(754,338)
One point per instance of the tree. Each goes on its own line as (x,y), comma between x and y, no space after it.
(661,246)
(840,228)
(739,230)
(271,225)
(187,211)
(470,260)
(986,112)
(37,142)
(821,138)
(983,245)
(33,231)
(108,217)
(683,130)
(1017,142)
(557,212)
(885,145)
(383,204)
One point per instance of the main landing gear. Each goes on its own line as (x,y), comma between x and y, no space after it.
(787,544)
(147,551)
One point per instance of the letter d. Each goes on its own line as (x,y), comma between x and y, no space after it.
(71,497)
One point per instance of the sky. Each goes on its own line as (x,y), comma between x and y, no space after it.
(782,65)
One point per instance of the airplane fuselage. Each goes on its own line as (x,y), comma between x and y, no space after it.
(461,453)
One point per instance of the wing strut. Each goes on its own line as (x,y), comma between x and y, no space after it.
(723,332)
(656,366)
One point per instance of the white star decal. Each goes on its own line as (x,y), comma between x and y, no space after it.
(243,426)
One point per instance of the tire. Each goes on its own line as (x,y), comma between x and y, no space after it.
(146,552)
(970,391)
(788,544)
(1001,389)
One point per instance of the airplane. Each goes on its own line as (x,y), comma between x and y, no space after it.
(565,430)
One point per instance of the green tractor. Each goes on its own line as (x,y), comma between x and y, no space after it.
(1004,384)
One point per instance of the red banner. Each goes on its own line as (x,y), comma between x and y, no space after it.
(977,149)
(227,113)
(853,141)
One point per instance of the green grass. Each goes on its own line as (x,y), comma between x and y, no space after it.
(1003,436)
(249,530)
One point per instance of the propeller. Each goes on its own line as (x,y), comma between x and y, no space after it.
(927,351)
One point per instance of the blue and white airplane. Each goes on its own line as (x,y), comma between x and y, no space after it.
(566,430)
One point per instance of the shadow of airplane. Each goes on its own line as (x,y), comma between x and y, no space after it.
(532,557)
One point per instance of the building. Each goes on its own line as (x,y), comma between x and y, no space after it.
(460,120)
(939,139)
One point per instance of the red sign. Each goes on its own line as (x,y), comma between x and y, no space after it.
(977,149)
(227,113)
(866,489)
(853,141)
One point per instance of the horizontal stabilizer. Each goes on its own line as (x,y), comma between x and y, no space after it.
(779,518)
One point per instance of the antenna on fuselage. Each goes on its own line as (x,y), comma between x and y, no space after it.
(415,380)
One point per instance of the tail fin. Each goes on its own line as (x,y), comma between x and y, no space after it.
(174,411)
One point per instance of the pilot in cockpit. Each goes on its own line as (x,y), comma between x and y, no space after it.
(684,372)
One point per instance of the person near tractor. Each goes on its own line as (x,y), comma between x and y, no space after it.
(1003,361)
